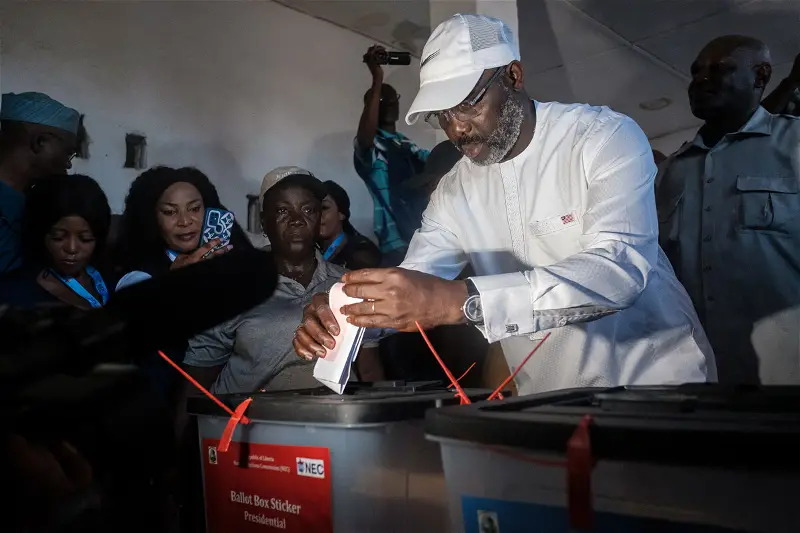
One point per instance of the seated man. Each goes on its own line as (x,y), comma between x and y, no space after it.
(254,350)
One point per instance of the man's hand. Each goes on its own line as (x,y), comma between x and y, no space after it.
(395,298)
(202,253)
(372,63)
(317,329)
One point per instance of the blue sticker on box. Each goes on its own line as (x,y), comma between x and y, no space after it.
(483,515)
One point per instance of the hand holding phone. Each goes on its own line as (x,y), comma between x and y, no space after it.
(218,225)
(207,250)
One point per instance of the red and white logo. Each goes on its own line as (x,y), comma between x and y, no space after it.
(568,219)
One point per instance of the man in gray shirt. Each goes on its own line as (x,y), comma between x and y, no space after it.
(254,350)
(729,216)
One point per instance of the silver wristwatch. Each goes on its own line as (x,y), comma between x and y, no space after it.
(472,307)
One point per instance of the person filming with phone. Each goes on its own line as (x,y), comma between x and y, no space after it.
(385,159)
(553,206)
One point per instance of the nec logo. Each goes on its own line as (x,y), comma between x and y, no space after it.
(311,467)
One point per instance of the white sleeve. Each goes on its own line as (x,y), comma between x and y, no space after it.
(435,248)
(619,248)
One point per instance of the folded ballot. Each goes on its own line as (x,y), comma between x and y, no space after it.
(333,370)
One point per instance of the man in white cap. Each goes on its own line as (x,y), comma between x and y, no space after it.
(553,206)
(38,137)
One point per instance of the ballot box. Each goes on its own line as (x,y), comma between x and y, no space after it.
(691,459)
(312,461)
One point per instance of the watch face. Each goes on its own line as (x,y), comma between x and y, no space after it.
(473,309)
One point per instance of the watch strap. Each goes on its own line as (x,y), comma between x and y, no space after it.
(472,290)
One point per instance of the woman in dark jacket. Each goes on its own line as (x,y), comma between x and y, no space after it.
(160,230)
(339,241)
(64,232)
(163,222)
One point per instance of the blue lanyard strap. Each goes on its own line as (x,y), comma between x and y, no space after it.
(332,248)
(80,290)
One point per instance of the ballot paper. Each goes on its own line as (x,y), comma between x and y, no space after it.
(333,370)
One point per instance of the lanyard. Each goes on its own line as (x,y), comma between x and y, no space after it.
(332,248)
(172,255)
(77,288)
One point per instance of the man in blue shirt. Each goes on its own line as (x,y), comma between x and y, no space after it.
(38,137)
(385,159)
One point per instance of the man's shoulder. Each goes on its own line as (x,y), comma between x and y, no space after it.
(788,119)
(12,202)
(401,136)
(557,112)
(585,123)
(784,126)
(687,150)
(382,138)
(461,170)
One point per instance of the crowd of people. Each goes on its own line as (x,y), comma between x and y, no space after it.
(535,220)
(546,209)
(546,215)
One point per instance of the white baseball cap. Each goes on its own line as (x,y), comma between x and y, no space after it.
(457,53)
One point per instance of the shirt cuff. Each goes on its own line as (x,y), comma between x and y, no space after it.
(507,306)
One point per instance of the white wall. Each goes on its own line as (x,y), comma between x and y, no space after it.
(234,88)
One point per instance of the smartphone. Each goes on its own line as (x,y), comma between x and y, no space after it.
(218,224)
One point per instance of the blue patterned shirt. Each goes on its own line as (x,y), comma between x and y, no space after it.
(384,167)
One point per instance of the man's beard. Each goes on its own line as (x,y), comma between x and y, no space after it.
(504,136)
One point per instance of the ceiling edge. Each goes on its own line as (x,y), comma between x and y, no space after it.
(389,46)
(628,44)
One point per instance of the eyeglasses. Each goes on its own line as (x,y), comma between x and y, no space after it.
(464,111)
